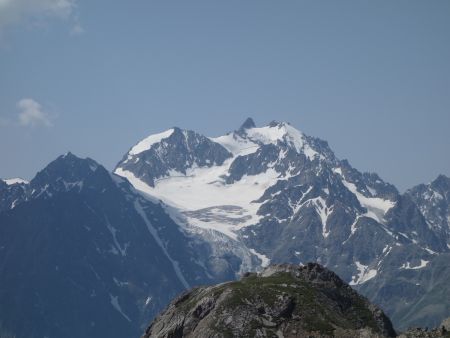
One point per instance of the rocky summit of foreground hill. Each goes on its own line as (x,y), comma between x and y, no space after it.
(442,331)
(280,301)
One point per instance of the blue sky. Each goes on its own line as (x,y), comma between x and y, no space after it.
(93,77)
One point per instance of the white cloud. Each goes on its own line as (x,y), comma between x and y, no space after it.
(15,11)
(77,29)
(31,114)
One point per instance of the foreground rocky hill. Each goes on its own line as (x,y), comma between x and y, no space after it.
(281,301)
(442,331)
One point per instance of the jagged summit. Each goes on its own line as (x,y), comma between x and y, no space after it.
(441,181)
(69,167)
(275,123)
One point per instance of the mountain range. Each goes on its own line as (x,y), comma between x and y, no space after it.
(84,251)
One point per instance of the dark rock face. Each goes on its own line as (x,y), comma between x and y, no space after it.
(10,195)
(434,203)
(83,255)
(283,300)
(248,124)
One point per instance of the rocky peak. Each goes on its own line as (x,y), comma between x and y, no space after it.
(433,201)
(275,123)
(69,172)
(248,124)
(68,166)
(441,183)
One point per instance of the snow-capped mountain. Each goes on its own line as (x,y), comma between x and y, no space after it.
(282,196)
(172,152)
(224,179)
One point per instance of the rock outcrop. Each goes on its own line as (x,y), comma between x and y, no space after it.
(442,331)
(281,301)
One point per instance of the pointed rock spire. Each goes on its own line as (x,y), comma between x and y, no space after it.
(248,124)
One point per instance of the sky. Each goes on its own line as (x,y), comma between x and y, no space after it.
(94,77)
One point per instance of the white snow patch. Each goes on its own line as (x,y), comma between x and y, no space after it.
(364,274)
(303,201)
(115,303)
(324,212)
(376,207)
(113,231)
(13,204)
(353,226)
(338,171)
(70,185)
(119,283)
(430,251)
(17,180)
(407,265)
(236,145)
(265,261)
(282,132)
(404,235)
(146,143)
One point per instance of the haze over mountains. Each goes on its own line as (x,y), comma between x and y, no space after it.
(85,251)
